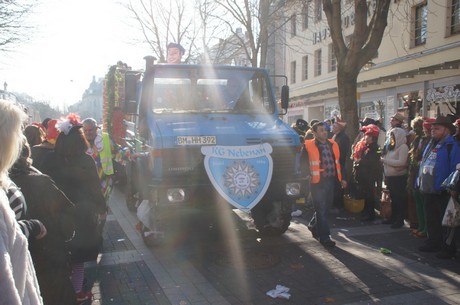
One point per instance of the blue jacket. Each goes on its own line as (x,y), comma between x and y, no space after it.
(446,161)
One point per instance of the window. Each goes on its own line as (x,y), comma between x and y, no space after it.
(318,62)
(332,59)
(293,25)
(318,10)
(293,71)
(305,67)
(421,14)
(455,17)
(305,17)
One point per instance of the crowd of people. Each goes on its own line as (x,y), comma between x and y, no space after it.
(410,161)
(55,179)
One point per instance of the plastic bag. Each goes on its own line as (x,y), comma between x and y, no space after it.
(143,213)
(451,181)
(452,215)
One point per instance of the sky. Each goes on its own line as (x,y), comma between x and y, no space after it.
(72,41)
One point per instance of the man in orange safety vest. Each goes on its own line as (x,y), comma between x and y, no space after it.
(325,172)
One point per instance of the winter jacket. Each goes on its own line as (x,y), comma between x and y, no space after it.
(18,282)
(50,254)
(78,179)
(446,155)
(343,141)
(395,161)
(368,169)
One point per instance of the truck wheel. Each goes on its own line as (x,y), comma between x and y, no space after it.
(272,217)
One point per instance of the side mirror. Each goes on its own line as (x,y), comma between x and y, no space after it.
(285,97)
(130,104)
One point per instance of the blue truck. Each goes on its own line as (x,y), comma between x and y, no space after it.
(206,134)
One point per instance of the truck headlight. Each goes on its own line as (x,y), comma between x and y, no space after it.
(175,195)
(293,189)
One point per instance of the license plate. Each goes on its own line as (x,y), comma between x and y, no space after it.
(196,140)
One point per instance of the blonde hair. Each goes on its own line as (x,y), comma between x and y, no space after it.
(11,137)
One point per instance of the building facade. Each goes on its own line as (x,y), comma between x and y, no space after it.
(90,105)
(415,72)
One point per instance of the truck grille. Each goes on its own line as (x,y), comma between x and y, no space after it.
(185,165)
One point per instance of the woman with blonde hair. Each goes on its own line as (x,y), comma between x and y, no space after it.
(18,281)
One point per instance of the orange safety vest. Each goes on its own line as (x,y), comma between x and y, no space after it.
(315,160)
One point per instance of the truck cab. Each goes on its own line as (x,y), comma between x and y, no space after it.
(205,133)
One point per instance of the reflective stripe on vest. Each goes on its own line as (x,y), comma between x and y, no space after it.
(315,160)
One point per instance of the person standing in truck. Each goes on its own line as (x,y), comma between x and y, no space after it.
(325,172)
(174,53)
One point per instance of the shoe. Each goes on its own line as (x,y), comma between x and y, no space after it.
(420,234)
(397,225)
(429,248)
(328,243)
(387,222)
(445,255)
(83,297)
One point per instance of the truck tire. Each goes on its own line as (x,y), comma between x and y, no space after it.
(272,217)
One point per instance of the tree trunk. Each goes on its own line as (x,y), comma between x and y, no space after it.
(347,91)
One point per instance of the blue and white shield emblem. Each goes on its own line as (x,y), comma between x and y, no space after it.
(241,174)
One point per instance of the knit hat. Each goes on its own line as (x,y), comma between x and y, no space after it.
(52,132)
(428,123)
(372,130)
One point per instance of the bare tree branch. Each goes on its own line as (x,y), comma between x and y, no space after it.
(13,23)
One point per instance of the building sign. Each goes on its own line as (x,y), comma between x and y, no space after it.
(331,111)
(446,94)
(347,21)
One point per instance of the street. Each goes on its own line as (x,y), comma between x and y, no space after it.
(204,264)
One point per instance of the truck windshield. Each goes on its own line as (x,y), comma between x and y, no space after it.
(190,89)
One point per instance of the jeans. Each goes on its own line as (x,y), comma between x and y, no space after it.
(322,195)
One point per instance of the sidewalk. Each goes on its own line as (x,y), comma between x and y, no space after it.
(354,273)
